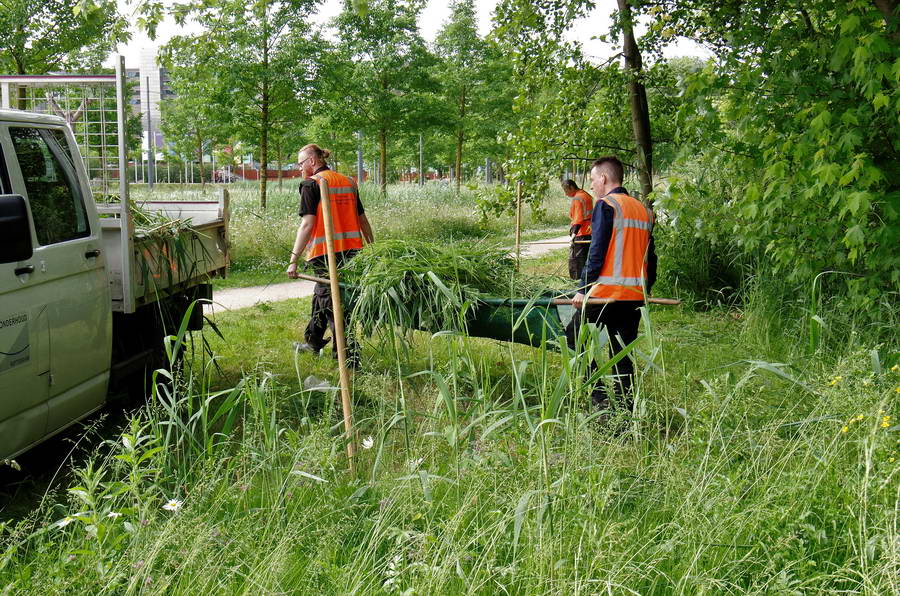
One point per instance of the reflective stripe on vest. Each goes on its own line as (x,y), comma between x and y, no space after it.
(614,281)
(344,216)
(341,236)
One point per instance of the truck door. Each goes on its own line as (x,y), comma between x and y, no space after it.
(69,268)
(24,344)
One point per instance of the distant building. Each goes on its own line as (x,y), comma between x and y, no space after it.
(157,78)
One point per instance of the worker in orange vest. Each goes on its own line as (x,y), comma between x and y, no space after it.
(351,229)
(579,226)
(621,266)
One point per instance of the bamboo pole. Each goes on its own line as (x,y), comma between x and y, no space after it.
(518,223)
(338,312)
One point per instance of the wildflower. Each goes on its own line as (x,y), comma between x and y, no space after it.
(885,421)
(896,368)
(71,557)
(897,390)
(368,442)
(64,521)
(859,417)
(172,505)
(113,514)
(415,463)
(891,459)
(836,380)
(845,429)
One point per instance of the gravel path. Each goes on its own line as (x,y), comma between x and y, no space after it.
(237,298)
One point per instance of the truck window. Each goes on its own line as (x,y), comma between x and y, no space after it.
(57,205)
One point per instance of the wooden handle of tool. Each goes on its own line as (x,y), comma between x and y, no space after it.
(568,301)
(560,242)
(320,280)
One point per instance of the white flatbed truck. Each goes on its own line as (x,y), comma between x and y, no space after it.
(83,300)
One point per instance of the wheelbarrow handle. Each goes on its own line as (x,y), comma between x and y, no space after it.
(568,301)
(320,280)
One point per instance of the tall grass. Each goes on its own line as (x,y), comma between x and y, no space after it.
(261,240)
(749,464)
(487,473)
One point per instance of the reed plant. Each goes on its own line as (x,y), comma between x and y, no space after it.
(485,471)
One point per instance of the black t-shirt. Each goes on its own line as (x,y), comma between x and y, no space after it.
(310,196)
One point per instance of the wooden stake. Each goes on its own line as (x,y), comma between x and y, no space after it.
(518,223)
(338,311)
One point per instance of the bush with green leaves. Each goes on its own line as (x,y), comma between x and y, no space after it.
(790,138)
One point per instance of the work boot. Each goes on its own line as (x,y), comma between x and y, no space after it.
(306,347)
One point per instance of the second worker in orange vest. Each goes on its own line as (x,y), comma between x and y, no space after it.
(621,266)
(351,228)
(579,226)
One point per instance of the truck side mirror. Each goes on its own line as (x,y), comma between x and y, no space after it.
(14,230)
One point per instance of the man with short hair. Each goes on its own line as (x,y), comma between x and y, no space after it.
(579,227)
(621,267)
(351,228)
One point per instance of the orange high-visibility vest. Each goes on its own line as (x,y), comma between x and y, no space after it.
(580,212)
(344,217)
(624,272)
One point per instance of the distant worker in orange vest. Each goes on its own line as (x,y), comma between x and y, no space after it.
(621,265)
(579,226)
(351,228)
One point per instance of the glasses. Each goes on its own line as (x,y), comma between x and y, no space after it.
(308,157)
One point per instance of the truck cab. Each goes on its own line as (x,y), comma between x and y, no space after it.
(55,316)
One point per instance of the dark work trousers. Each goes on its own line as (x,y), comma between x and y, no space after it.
(322,316)
(621,319)
(578,254)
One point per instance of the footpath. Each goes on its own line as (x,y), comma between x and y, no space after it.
(238,298)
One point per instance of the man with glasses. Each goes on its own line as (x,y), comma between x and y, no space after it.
(351,229)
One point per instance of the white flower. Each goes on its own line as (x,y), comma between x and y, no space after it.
(415,463)
(172,505)
(113,514)
(368,442)
(64,521)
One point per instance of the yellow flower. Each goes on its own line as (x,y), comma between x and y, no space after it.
(836,380)
(859,417)
(845,429)
(897,389)
(896,368)
(885,421)
(891,460)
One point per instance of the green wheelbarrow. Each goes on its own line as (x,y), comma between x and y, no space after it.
(519,320)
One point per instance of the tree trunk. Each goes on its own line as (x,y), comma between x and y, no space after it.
(264,118)
(200,159)
(460,137)
(640,111)
(20,91)
(382,160)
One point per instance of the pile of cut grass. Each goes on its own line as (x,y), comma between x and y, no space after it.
(432,286)
(424,285)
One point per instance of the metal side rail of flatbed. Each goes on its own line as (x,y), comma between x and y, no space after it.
(145,268)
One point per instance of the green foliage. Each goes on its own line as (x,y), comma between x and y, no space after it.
(38,36)
(380,81)
(793,131)
(252,70)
